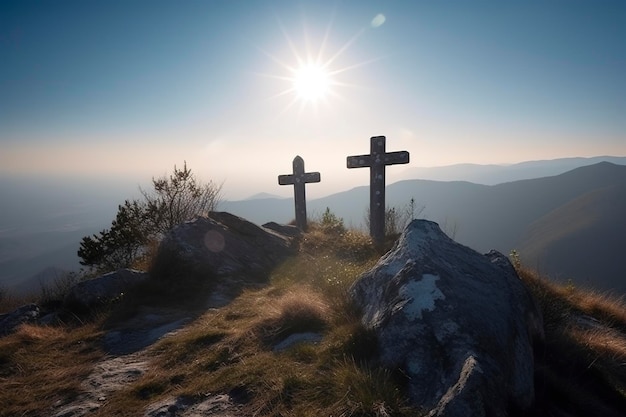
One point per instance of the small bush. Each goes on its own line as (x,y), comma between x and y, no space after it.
(396,219)
(331,224)
(54,292)
(172,200)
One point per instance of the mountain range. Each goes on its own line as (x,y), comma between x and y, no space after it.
(570,226)
(498,174)
(564,217)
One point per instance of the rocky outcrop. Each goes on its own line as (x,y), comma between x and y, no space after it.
(97,291)
(9,322)
(223,245)
(284,229)
(459,324)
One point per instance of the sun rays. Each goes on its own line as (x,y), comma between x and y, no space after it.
(313,74)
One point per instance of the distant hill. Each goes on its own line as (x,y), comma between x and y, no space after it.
(580,237)
(503,217)
(262,196)
(497,174)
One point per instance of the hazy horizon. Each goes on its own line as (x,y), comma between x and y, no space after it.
(120,187)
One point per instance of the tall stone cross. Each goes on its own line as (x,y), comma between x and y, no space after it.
(298,179)
(377,160)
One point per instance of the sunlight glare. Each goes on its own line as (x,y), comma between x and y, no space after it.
(311,82)
(312,72)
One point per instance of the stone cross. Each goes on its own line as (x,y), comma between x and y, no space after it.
(376,161)
(298,179)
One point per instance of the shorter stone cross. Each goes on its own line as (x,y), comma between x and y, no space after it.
(298,179)
(376,161)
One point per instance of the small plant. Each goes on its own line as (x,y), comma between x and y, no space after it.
(173,200)
(331,224)
(396,219)
(515,259)
(178,198)
(56,290)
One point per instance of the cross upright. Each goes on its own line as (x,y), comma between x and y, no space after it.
(298,179)
(377,160)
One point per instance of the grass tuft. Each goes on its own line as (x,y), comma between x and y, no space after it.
(299,310)
(581,365)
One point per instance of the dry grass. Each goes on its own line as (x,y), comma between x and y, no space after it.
(41,366)
(581,366)
(299,310)
(329,263)
(227,350)
(603,306)
(350,245)
(607,342)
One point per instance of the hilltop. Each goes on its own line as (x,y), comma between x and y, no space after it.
(224,361)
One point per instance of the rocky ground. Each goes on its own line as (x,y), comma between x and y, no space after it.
(128,360)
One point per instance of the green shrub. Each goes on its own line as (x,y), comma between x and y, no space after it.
(331,224)
(173,200)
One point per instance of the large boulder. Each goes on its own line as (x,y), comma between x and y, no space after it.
(225,246)
(103,289)
(460,325)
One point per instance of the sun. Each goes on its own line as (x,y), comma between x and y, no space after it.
(311,81)
(312,74)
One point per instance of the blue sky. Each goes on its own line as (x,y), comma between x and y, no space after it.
(131,88)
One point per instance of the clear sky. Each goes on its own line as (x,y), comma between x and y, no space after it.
(239,88)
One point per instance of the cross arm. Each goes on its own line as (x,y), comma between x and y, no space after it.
(312,177)
(285,179)
(307,177)
(393,158)
(359,161)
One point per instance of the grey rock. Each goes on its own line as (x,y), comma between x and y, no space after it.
(105,288)
(108,376)
(49,319)
(9,322)
(284,229)
(459,324)
(224,245)
(130,340)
